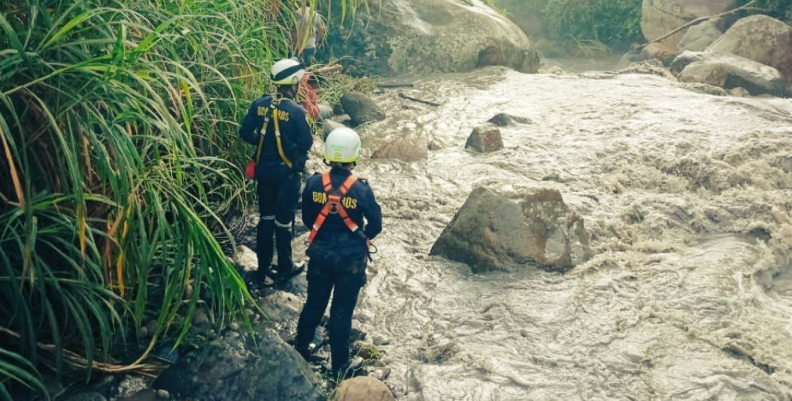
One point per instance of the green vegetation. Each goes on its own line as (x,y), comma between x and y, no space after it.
(118,156)
(587,25)
(612,22)
(584,26)
(781,9)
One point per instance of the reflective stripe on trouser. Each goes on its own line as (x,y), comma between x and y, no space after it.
(279,201)
(264,245)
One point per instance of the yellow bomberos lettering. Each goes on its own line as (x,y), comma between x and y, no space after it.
(282,115)
(349,203)
(320,197)
(262,111)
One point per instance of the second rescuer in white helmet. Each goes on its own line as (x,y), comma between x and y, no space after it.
(343,216)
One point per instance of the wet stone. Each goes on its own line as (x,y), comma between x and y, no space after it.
(245,259)
(505,120)
(361,108)
(408,148)
(484,139)
(364,388)
(237,368)
(491,232)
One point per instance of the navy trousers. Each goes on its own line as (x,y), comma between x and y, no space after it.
(277,204)
(343,278)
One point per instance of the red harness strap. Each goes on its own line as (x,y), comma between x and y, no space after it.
(333,205)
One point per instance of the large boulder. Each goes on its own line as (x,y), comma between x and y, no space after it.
(759,38)
(699,37)
(484,139)
(506,120)
(660,17)
(664,52)
(526,17)
(361,108)
(408,148)
(237,368)
(418,37)
(729,71)
(491,232)
(363,388)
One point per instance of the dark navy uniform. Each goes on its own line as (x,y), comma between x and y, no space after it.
(278,183)
(337,263)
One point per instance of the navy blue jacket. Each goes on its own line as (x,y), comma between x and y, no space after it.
(295,131)
(361,203)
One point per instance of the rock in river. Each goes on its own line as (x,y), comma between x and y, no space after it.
(491,232)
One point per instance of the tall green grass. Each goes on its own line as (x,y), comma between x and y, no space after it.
(118,156)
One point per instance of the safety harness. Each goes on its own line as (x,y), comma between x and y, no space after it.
(271,113)
(334,205)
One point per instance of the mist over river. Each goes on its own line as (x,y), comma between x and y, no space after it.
(688,200)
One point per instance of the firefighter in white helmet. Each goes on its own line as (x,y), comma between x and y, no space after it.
(278,127)
(343,216)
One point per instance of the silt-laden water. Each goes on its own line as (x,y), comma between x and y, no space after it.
(688,199)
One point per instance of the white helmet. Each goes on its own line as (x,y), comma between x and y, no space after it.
(287,72)
(342,145)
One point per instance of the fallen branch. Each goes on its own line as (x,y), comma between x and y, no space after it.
(328,69)
(403,96)
(702,19)
(75,360)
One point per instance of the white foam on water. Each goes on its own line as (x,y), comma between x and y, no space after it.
(688,198)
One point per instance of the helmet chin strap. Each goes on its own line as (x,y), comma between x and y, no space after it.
(289,91)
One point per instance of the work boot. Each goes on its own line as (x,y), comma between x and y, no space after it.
(351,369)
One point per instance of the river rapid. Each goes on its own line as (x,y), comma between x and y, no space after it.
(688,200)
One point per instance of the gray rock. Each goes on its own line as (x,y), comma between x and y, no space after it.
(379,373)
(282,309)
(408,148)
(698,37)
(505,120)
(361,108)
(664,52)
(418,37)
(329,125)
(729,71)
(237,368)
(490,232)
(739,92)
(201,320)
(525,17)
(325,111)
(130,386)
(363,388)
(759,38)
(659,17)
(87,397)
(245,259)
(650,67)
(484,139)
(705,89)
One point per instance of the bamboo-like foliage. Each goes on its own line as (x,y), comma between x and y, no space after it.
(118,154)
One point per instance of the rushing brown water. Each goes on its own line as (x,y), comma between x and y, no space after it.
(688,199)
